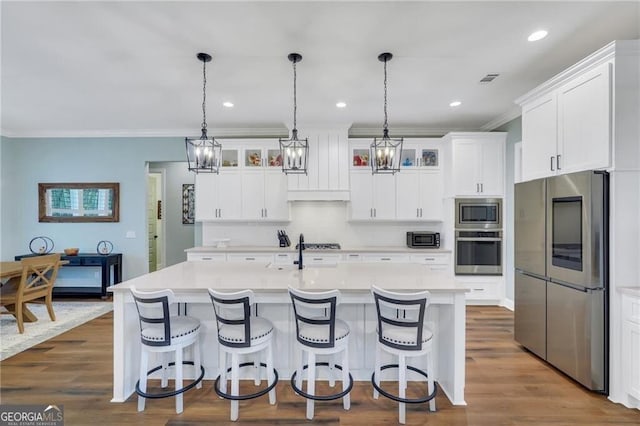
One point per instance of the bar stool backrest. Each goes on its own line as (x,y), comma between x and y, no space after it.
(317,311)
(233,312)
(401,314)
(154,315)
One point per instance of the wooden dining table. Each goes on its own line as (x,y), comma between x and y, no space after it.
(12,272)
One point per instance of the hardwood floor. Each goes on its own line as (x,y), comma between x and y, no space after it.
(505,385)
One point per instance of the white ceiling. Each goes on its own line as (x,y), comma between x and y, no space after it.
(130,68)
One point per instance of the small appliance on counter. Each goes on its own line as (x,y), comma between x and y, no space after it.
(423,239)
(283,239)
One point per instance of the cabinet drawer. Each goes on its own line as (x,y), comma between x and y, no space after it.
(92,261)
(250,257)
(321,259)
(207,257)
(482,291)
(73,261)
(392,258)
(631,308)
(431,258)
(352,257)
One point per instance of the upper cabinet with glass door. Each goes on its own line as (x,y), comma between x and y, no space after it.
(230,158)
(262,155)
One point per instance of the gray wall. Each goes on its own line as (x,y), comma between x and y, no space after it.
(514,135)
(178,236)
(27,161)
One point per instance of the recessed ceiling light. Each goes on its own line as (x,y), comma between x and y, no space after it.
(227,104)
(538,35)
(455,104)
(341,104)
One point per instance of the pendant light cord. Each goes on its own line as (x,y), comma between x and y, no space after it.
(295,105)
(204,96)
(386,126)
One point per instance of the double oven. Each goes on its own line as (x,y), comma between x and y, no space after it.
(478,230)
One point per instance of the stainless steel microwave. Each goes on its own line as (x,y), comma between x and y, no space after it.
(423,239)
(478,213)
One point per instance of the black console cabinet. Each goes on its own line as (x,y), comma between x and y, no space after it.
(105,262)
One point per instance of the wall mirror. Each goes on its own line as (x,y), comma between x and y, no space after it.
(79,202)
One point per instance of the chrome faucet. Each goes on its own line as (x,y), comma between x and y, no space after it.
(300,248)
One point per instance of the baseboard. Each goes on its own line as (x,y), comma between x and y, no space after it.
(507,303)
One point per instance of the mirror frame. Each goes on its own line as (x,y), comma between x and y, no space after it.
(42,202)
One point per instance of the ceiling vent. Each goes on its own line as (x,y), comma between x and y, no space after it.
(488,78)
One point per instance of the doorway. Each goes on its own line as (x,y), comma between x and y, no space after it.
(155,223)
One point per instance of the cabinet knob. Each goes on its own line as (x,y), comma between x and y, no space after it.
(551,158)
(558,162)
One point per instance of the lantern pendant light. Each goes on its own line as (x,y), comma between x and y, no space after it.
(204,154)
(293,151)
(385,153)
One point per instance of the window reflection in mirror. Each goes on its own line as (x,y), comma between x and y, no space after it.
(78,202)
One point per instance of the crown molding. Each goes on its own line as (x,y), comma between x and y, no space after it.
(600,56)
(227,132)
(514,112)
(405,132)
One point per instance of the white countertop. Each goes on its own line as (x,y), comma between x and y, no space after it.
(292,249)
(196,275)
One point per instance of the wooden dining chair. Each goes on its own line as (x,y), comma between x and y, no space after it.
(35,286)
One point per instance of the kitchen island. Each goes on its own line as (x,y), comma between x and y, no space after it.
(190,280)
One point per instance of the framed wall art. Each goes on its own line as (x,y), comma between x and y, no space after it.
(188,204)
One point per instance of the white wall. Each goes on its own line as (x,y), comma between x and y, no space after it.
(319,221)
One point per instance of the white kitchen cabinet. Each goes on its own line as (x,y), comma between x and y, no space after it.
(250,257)
(419,195)
(540,130)
(568,128)
(311,259)
(207,257)
(264,196)
(584,121)
(483,290)
(218,196)
(386,258)
(373,196)
(434,261)
(631,344)
(475,164)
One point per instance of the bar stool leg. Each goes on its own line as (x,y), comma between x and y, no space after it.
(235,385)
(402,387)
(222,369)
(300,369)
(197,362)
(256,369)
(332,370)
(165,366)
(311,383)
(270,376)
(144,362)
(430,381)
(178,366)
(346,400)
(376,370)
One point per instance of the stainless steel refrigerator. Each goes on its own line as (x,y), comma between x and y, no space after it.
(561,273)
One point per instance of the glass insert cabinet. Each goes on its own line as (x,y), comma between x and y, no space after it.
(414,155)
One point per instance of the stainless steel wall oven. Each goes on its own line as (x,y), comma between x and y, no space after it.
(478,253)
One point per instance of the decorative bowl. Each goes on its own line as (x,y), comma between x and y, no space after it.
(73,251)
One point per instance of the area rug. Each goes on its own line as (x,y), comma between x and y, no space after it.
(68,316)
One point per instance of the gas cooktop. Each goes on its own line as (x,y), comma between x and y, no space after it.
(320,246)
